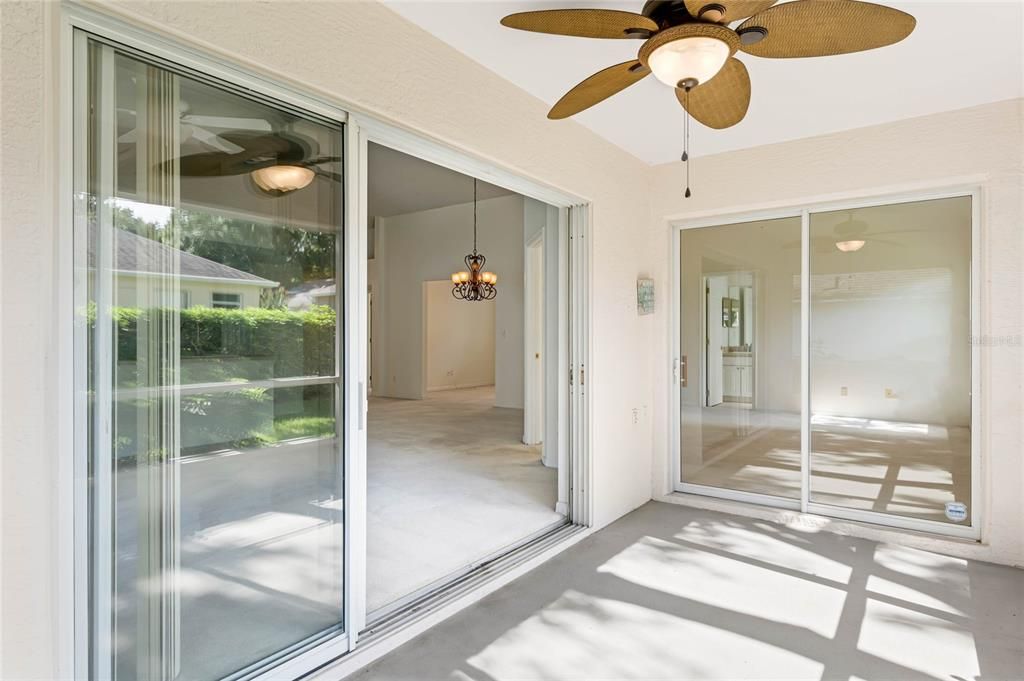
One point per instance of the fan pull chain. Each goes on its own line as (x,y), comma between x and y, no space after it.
(686,141)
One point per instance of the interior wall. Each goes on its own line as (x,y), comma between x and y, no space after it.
(911,291)
(459,341)
(428,246)
(980,146)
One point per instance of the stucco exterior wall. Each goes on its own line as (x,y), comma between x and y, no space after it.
(347,55)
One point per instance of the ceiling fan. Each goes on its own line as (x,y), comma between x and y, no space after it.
(690,46)
(278,162)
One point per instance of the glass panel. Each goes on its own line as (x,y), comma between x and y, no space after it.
(217,468)
(462,456)
(891,359)
(740,344)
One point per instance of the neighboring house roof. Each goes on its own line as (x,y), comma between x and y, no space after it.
(304,295)
(134,254)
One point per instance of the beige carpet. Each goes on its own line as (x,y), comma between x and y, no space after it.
(906,469)
(449,482)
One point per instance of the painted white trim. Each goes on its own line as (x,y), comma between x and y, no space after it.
(580,335)
(353,318)
(676,359)
(102,482)
(962,187)
(73,548)
(805,359)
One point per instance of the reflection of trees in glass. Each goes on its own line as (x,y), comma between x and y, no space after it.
(292,343)
(288,255)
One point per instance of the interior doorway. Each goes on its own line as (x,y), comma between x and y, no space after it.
(729,348)
(456,443)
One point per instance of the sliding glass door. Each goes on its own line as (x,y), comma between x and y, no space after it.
(890,359)
(208,262)
(824,362)
(739,333)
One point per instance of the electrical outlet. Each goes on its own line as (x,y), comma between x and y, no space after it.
(890,393)
(451,372)
(843,391)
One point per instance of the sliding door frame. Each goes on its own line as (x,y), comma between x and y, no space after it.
(575,492)
(574,220)
(78,27)
(804,211)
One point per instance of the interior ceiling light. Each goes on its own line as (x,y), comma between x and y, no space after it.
(850,246)
(281,179)
(689,46)
(474,283)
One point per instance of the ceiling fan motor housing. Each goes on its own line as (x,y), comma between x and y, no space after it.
(667,13)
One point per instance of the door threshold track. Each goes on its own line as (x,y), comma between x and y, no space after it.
(454,588)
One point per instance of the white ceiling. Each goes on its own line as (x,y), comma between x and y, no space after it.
(962,53)
(400,184)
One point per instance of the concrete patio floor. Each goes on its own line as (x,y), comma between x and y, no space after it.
(675,593)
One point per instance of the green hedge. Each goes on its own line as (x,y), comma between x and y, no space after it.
(292,343)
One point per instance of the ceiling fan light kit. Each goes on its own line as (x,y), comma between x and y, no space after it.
(851,246)
(281,179)
(689,46)
(688,54)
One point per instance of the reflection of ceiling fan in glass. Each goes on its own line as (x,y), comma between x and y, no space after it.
(277,162)
(851,235)
(220,146)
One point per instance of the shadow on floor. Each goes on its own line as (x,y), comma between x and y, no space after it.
(675,593)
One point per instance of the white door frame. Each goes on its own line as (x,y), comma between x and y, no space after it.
(534,354)
(73,588)
(573,495)
(803,211)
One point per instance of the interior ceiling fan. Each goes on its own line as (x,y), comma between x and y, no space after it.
(690,46)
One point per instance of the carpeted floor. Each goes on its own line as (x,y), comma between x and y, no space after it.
(448,482)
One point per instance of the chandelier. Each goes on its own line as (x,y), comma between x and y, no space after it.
(474,283)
